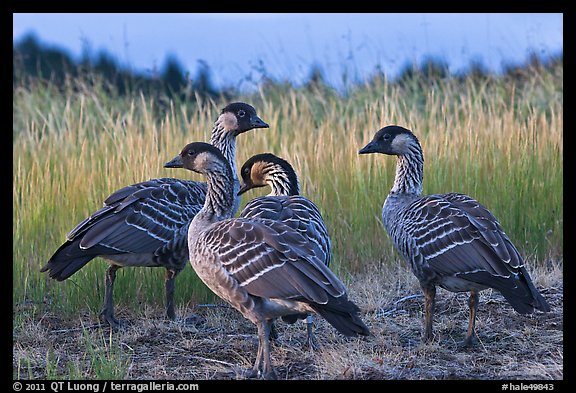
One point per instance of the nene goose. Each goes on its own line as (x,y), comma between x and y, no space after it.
(449,240)
(264,268)
(146,224)
(285,204)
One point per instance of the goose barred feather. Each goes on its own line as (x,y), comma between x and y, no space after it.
(286,205)
(262,267)
(146,224)
(449,240)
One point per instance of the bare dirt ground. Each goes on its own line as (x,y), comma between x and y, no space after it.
(510,345)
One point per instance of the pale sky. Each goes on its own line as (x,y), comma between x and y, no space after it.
(239,48)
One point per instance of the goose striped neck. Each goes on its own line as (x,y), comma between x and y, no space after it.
(220,196)
(219,199)
(409,172)
(225,140)
(266,169)
(226,129)
(280,183)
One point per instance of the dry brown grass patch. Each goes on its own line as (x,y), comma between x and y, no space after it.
(510,346)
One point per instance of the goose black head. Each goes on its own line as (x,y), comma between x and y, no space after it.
(239,117)
(199,157)
(392,140)
(262,169)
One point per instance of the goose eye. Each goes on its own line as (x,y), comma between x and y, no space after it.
(190,152)
(386,137)
(241,113)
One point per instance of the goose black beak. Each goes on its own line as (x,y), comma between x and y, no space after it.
(369,148)
(243,189)
(256,122)
(176,162)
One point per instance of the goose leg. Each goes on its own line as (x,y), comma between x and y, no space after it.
(273,331)
(311,339)
(473,305)
(253,373)
(429,296)
(264,350)
(107,313)
(169,284)
(256,368)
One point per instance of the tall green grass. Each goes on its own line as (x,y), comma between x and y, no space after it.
(497,139)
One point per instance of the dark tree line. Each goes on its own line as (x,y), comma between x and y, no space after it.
(34,61)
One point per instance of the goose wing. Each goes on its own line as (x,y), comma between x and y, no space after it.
(272,260)
(143,217)
(297,212)
(456,235)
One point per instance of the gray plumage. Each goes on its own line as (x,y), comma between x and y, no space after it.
(146,224)
(286,205)
(449,240)
(264,268)
(284,202)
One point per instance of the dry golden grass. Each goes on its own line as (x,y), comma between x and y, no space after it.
(79,148)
